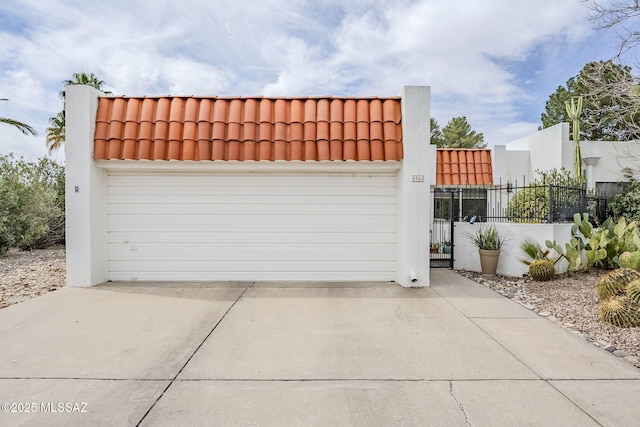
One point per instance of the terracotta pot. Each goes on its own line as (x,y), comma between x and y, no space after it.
(489,261)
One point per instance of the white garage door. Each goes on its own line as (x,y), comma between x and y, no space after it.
(251,226)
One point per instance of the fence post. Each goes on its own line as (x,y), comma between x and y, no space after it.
(551,204)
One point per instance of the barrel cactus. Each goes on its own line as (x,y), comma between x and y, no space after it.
(542,270)
(620,311)
(615,282)
(633,291)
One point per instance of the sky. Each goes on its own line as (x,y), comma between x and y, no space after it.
(494,61)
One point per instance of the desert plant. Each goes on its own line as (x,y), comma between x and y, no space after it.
(629,260)
(31,201)
(486,238)
(533,250)
(606,244)
(614,283)
(540,266)
(619,311)
(542,270)
(633,291)
(571,253)
(627,204)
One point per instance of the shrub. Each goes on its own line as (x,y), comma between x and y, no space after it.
(31,203)
(531,204)
(627,204)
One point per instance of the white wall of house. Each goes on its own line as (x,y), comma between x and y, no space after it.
(415,178)
(85,192)
(603,161)
(547,149)
(610,158)
(511,256)
(87,188)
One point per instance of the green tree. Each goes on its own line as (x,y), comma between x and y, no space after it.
(618,14)
(57,124)
(437,138)
(610,100)
(457,133)
(22,127)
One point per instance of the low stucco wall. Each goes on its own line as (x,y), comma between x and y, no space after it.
(510,264)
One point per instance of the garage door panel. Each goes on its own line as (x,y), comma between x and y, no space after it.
(244,267)
(212,208)
(203,276)
(284,188)
(251,251)
(196,226)
(247,222)
(247,181)
(261,237)
(237,199)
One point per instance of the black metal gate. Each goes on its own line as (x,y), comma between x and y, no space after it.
(441,246)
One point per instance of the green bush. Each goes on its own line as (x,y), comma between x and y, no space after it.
(31,203)
(531,204)
(627,204)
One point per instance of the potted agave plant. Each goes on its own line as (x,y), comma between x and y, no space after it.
(488,241)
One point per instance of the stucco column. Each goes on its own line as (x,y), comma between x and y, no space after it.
(85,190)
(414,180)
(590,162)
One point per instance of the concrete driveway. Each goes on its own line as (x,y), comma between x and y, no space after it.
(279,354)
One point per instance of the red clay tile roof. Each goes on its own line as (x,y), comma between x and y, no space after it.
(220,128)
(460,166)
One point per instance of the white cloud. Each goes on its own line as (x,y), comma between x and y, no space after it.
(293,47)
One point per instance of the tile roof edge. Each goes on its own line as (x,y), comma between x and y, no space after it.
(243,97)
(257,166)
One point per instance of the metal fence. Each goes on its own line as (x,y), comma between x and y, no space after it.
(532,203)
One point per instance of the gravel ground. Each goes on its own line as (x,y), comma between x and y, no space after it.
(570,302)
(27,274)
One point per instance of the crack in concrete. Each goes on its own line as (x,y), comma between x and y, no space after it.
(459,403)
(194,352)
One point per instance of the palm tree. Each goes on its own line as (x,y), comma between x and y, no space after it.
(87,80)
(22,127)
(56,130)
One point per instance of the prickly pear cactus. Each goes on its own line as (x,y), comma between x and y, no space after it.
(615,282)
(630,260)
(619,311)
(542,270)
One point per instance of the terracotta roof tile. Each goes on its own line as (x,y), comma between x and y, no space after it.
(233,128)
(458,166)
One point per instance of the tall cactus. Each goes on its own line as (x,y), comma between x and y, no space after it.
(574,108)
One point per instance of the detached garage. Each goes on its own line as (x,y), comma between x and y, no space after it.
(251,189)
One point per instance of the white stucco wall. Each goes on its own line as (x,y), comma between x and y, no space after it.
(547,149)
(551,148)
(511,166)
(86,198)
(510,261)
(414,181)
(613,157)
